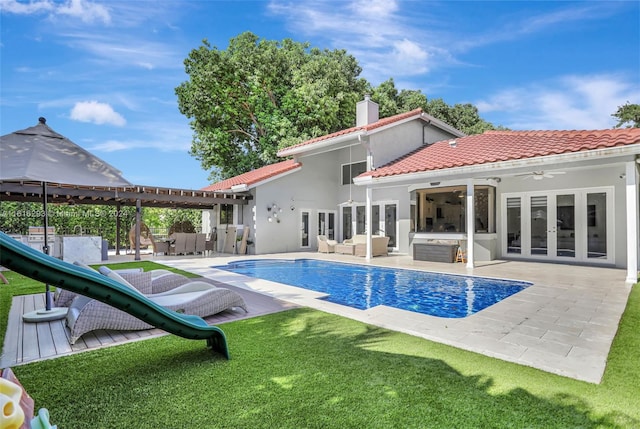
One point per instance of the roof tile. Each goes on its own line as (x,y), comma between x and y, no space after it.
(492,146)
(380,123)
(254,176)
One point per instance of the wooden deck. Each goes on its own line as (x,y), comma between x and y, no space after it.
(30,342)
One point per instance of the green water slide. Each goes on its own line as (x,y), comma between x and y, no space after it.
(38,266)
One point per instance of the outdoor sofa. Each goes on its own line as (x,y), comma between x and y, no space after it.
(357,245)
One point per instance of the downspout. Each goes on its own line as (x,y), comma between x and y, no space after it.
(369,194)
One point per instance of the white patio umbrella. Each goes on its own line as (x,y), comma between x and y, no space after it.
(40,154)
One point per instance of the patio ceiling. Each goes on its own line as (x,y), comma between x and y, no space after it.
(149,196)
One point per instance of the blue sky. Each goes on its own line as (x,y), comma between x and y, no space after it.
(103,73)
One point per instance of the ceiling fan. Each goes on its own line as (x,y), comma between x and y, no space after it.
(539,175)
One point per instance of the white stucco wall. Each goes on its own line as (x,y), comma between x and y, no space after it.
(390,144)
(313,187)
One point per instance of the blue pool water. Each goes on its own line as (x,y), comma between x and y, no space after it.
(363,286)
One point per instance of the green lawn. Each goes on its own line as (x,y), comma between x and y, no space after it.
(308,369)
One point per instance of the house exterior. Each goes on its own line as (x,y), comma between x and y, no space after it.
(558,196)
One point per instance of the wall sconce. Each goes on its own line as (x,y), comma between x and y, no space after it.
(274,210)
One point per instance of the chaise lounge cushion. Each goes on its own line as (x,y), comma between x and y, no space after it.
(138,281)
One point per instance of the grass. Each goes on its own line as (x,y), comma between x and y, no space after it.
(308,369)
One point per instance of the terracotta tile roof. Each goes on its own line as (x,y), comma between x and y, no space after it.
(496,146)
(380,123)
(255,176)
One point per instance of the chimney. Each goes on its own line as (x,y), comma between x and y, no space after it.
(366,112)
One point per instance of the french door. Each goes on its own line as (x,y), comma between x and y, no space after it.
(572,225)
(327,223)
(383,218)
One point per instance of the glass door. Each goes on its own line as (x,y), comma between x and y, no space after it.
(390,219)
(564,225)
(347,222)
(597,226)
(326,224)
(304,229)
(565,231)
(538,227)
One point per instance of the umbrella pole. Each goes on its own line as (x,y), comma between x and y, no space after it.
(45,247)
(49,313)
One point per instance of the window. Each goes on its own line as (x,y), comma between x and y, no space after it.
(443,209)
(349,171)
(226,214)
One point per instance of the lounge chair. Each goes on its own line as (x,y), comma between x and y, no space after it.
(325,245)
(196,298)
(161,281)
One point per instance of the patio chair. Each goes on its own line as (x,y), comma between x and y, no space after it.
(179,244)
(190,244)
(325,245)
(196,298)
(160,246)
(201,242)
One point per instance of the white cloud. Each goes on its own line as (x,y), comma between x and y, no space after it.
(97,113)
(110,146)
(13,6)
(117,50)
(86,11)
(569,102)
(376,32)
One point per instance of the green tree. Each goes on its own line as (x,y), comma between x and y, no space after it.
(628,115)
(464,117)
(391,101)
(257,96)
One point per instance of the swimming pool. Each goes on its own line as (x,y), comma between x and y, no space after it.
(364,286)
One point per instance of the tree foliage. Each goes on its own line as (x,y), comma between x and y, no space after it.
(100,220)
(628,115)
(86,219)
(258,95)
(464,117)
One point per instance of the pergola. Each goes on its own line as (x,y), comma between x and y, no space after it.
(136,195)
